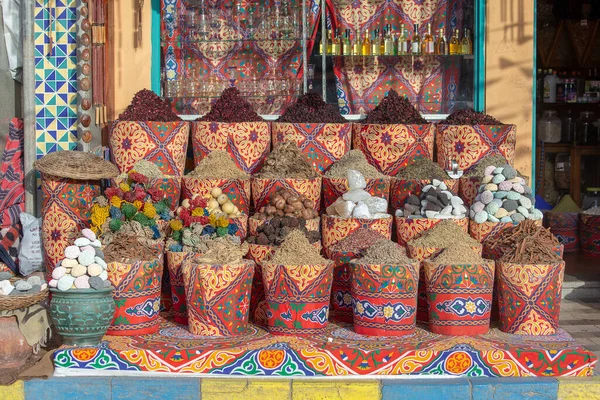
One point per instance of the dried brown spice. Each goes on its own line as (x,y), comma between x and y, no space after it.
(287,161)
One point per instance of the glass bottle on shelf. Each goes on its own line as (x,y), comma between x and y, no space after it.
(586,129)
(402,41)
(329,42)
(389,42)
(335,44)
(428,47)
(568,128)
(467,44)
(416,42)
(382,34)
(323,44)
(366,44)
(347,47)
(441,45)
(454,45)
(375,43)
(549,127)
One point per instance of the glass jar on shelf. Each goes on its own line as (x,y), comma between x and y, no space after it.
(568,128)
(591,198)
(549,127)
(586,129)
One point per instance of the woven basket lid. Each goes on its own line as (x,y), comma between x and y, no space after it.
(79,165)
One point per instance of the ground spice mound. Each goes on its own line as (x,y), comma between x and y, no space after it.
(478,170)
(442,235)
(458,253)
(296,250)
(127,249)
(223,252)
(231,107)
(147,106)
(394,109)
(356,160)
(468,116)
(358,241)
(527,243)
(385,252)
(218,164)
(310,108)
(146,168)
(287,161)
(422,169)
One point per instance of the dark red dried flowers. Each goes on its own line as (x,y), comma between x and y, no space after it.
(147,106)
(311,109)
(468,116)
(231,107)
(394,109)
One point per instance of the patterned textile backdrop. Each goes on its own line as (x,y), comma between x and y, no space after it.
(428,81)
(267,71)
(55,76)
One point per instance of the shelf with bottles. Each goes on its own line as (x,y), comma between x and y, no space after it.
(384,43)
(233,40)
(453,56)
(567,88)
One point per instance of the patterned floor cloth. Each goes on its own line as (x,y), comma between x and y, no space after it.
(338,352)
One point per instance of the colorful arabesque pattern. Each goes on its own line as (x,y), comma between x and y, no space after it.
(337,352)
(428,82)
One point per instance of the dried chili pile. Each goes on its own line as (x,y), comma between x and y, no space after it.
(147,106)
(310,108)
(394,109)
(231,107)
(527,243)
(468,116)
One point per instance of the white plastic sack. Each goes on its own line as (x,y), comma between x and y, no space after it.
(11,15)
(30,252)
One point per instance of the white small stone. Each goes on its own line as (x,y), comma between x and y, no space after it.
(361,211)
(72,252)
(52,283)
(94,270)
(59,272)
(44,286)
(443,186)
(86,258)
(381,215)
(448,194)
(456,201)
(69,263)
(88,234)
(344,208)
(446,210)
(103,275)
(6,287)
(78,270)
(34,280)
(22,286)
(82,282)
(96,244)
(100,262)
(356,180)
(456,212)
(431,214)
(356,195)
(440,216)
(65,283)
(376,205)
(436,182)
(81,242)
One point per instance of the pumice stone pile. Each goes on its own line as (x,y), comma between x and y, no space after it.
(357,202)
(83,266)
(436,201)
(22,287)
(503,197)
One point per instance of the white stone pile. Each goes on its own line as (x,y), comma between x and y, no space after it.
(357,202)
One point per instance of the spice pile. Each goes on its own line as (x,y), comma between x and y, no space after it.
(287,203)
(357,241)
(357,202)
(146,168)
(592,211)
(296,250)
(83,266)
(274,231)
(147,106)
(218,164)
(310,108)
(128,249)
(503,197)
(356,160)
(436,202)
(287,161)
(527,243)
(22,287)
(422,169)
(218,204)
(231,107)
(223,252)
(458,253)
(469,116)
(478,170)
(443,235)
(394,109)
(385,252)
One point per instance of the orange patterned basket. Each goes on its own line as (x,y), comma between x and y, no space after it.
(333,188)
(467,189)
(334,229)
(248,143)
(323,144)
(253,225)
(264,188)
(408,229)
(402,188)
(487,232)
(238,190)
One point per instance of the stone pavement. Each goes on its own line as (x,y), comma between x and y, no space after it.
(581,318)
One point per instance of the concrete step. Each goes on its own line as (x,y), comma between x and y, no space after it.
(575,288)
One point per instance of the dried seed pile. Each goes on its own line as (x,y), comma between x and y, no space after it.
(356,160)
(231,107)
(358,241)
(223,252)
(444,235)
(218,164)
(296,250)
(385,252)
(127,249)
(146,168)
(479,169)
(394,109)
(310,108)
(458,253)
(274,231)
(592,211)
(147,106)
(287,161)
(527,243)
(469,116)
(423,169)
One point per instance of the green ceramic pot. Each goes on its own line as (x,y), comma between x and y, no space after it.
(82,316)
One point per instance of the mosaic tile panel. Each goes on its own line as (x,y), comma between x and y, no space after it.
(55,75)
